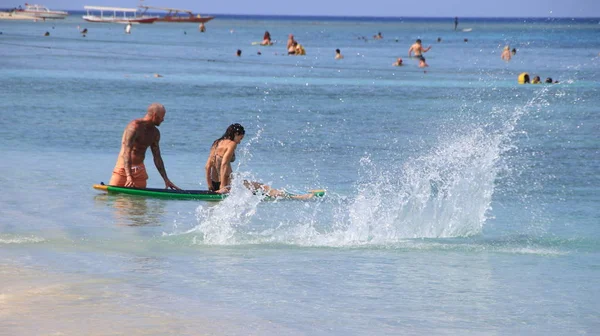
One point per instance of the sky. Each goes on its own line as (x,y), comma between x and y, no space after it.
(385,8)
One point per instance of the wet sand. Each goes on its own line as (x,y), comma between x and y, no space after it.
(35,302)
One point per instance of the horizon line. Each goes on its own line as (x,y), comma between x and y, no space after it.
(372,16)
(409,16)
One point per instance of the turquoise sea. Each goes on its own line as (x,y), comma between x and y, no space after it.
(458,202)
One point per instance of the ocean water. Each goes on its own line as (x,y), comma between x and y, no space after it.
(458,202)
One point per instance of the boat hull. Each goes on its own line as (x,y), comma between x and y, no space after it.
(185,19)
(44,15)
(97,19)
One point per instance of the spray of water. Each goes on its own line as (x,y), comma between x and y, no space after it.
(444,192)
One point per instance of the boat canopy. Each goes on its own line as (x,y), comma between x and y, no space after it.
(167,9)
(114,9)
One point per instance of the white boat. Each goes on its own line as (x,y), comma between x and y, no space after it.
(116,15)
(39,12)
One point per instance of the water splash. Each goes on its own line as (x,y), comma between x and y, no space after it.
(221,222)
(444,192)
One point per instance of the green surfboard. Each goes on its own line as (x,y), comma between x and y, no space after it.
(204,195)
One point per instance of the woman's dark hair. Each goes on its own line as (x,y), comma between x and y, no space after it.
(231,132)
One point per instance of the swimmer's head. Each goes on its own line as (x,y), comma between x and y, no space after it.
(549,80)
(419,41)
(235,132)
(506,48)
(237,129)
(156,113)
(337,51)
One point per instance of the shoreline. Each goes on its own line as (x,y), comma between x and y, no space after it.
(36,302)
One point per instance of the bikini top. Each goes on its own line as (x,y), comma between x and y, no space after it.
(219,158)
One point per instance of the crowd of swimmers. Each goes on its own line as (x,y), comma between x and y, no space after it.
(294,48)
(415,51)
(524,78)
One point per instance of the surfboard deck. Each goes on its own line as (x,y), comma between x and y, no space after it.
(204,195)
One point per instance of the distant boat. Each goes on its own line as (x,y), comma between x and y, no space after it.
(178,15)
(39,12)
(116,15)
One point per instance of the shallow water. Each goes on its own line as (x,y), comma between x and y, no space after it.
(457,200)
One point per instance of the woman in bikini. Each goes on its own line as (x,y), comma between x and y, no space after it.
(218,166)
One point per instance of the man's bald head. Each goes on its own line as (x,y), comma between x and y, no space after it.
(156,112)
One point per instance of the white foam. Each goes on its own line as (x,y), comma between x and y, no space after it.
(21,240)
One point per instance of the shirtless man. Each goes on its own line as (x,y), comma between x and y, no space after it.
(291,48)
(418,49)
(137,137)
(505,54)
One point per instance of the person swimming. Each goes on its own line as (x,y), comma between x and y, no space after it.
(523,78)
(300,49)
(418,49)
(266,39)
(291,48)
(506,54)
(536,80)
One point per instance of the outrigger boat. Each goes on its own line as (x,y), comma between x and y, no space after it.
(116,15)
(178,15)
